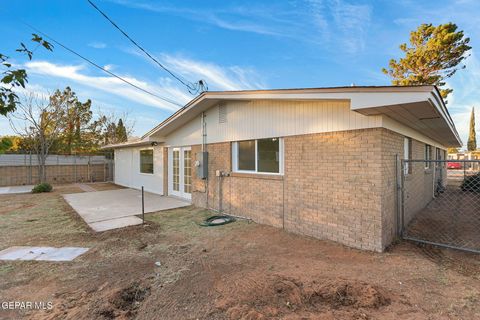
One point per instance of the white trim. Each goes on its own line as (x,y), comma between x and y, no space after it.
(428,155)
(281,156)
(406,154)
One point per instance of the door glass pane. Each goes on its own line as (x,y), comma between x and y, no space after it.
(176,170)
(268,155)
(246,155)
(187,171)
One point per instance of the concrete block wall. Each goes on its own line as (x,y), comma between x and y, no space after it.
(56,174)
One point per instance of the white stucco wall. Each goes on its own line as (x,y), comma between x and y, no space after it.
(127,169)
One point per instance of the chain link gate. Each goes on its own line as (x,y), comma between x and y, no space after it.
(440,203)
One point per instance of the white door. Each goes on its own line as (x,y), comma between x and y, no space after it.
(180,172)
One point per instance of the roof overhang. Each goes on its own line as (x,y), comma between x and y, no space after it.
(419,107)
(148,141)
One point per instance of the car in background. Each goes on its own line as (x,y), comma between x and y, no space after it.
(454,165)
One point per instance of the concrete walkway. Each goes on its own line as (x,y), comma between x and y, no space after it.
(112,209)
(16,189)
(42,253)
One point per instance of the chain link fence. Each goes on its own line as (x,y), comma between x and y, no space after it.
(23,169)
(440,202)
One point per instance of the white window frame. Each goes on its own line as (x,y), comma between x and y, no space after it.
(428,156)
(280,155)
(140,161)
(406,155)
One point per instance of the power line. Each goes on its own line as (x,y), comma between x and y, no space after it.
(193,88)
(101,68)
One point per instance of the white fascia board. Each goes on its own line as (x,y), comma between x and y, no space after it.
(359,100)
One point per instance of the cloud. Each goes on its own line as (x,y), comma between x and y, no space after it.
(111,85)
(341,23)
(217,77)
(310,21)
(97,45)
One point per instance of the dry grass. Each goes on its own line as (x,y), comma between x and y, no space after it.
(221,272)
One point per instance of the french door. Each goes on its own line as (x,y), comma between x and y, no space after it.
(180,172)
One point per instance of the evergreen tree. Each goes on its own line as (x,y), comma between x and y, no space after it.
(472,136)
(435,53)
(121,133)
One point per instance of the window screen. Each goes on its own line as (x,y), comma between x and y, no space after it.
(146,161)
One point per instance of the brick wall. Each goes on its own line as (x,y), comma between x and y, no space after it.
(418,183)
(241,194)
(339,186)
(25,175)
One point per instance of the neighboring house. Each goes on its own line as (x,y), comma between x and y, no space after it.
(471,155)
(319,162)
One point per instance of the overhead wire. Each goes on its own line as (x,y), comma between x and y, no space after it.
(100,67)
(193,88)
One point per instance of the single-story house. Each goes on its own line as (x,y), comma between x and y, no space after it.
(319,162)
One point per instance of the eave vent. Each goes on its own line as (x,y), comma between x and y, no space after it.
(222,114)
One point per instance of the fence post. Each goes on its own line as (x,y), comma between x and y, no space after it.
(88,169)
(397,192)
(402,196)
(75,167)
(104,169)
(143,207)
(30,169)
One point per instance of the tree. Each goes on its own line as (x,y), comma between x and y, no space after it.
(111,129)
(121,134)
(453,150)
(76,121)
(14,78)
(42,126)
(472,136)
(5,144)
(435,53)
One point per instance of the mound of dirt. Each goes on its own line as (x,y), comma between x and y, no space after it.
(130,297)
(281,296)
(124,303)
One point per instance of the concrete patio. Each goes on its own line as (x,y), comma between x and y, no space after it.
(112,209)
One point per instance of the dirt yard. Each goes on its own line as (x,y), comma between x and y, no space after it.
(452,218)
(172,268)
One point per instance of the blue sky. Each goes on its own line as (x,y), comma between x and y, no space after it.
(230,44)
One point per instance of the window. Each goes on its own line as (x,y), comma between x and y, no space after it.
(428,156)
(407,155)
(260,156)
(146,161)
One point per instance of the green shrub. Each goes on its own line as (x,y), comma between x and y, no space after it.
(42,187)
